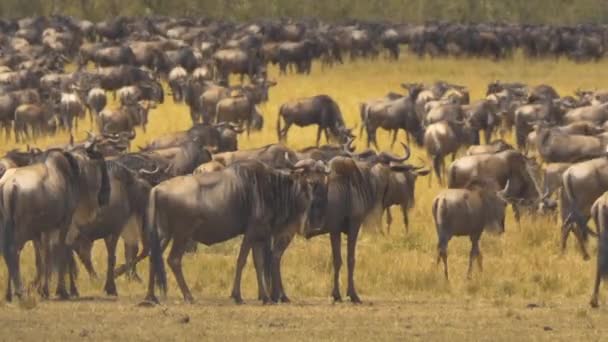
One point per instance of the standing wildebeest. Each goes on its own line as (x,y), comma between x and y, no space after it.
(177,79)
(355,193)
(271,205)
(446,137)
(127,203)
(96,101)
(125,118)
(56,190)
(599,212)
(467,212)
(582,184)
(70,109)
(241,107)
(319,110)
(393,114)
(502,167)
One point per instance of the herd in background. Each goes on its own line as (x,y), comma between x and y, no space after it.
(185,186)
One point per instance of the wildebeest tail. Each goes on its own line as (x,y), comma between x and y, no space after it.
(156,251)
(281,113)
(438,167)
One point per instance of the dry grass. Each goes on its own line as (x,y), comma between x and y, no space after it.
(396,273)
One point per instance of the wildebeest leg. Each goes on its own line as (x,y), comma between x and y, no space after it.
(516,213)
(326,131)
(83,249)
(406,220)
(336,253)
(12,262)
(241,260)
(63,256)
(442,255)
(72,273)
(474,254)
(389,220)
(110,286)
(131,250)
(319,129)
(44,271)
(596,288)
(258,259)
(566,228)
(175,263)
(581,242)
(350,262)
(278,293)
(267,265)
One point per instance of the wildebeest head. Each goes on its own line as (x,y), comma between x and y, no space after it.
(312,176)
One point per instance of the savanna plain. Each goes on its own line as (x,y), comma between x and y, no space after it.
(528,289)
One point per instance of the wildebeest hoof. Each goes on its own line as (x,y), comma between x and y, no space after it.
(150,299)
(285,299)
(594,303)
(147,303)
(337,298)
(237,299)
(267,301)
(62,294)
(586,257)
(189,300)
(111,291)
(74,293)
(355,299)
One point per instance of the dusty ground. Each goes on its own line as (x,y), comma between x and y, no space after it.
(416,318)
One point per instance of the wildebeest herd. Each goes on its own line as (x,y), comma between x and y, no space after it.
(183,188)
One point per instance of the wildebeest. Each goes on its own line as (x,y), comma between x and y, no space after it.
(599,212)
(468,212)
(39,118)
(56,190)
(356,191)
(125,119)
(319,110)
(96,101)
(270,203)
(393,114)
(446,137)
(510,165)
(582,184)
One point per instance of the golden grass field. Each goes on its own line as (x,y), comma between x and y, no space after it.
(528,289)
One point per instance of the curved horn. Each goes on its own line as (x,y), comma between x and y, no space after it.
(153,172)
(349,144)
(393,158)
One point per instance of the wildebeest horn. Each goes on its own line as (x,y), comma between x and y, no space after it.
(348,146)
(396,159)
(153,172)
(129,135)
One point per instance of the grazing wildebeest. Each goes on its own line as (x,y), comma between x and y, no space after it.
(56,190)
(599,212)
(468,212)
(555,146)
(38,118)
(271,204)
(582,184)
(319,110)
